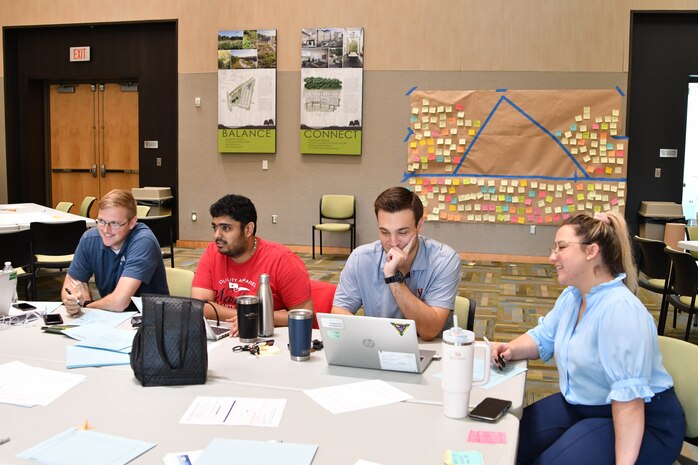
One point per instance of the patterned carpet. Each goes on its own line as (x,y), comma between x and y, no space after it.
(510,298)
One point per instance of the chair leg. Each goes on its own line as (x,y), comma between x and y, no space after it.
(663,310)
(688,324)
(321,243)
(313,231)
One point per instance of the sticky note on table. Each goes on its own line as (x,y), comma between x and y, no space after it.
(487,437)
(457,457)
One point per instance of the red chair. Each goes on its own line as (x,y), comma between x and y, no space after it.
(322,294)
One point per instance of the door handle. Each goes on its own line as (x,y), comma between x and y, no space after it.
(93,170)
(103,170)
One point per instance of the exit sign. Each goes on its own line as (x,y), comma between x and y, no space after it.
(79,53)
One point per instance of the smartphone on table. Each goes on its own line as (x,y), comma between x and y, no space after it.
(53,319)
(24,306)
(490,409)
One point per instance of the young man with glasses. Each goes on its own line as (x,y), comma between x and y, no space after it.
(122,254)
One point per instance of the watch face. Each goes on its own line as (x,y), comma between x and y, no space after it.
(398,278)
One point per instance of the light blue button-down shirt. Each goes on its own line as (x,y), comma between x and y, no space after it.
(612,354)
(434,278)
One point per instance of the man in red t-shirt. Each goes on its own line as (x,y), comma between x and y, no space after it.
(231,265)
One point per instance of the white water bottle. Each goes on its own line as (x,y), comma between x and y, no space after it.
(266,307)
(13,278)
(458,352)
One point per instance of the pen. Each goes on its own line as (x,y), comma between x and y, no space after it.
(68,291)
(501,363)
(4,440)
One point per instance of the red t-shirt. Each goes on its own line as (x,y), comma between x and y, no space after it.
(288,277)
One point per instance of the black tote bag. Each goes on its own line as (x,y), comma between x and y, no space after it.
(170,346)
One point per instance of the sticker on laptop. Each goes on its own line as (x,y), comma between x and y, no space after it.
(332,323)
(398,361)
(401,328)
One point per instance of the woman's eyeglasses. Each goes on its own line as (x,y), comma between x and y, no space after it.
(254,349)
(560,246)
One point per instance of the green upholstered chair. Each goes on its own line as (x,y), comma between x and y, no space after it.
(336,208)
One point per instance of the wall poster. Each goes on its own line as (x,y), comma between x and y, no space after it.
(332,61)
(516,156)
(247,91)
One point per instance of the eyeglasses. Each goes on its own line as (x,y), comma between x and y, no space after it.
(560,246)
(114,225)
(254,349)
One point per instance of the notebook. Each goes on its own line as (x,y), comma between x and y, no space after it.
(370,342)
(215,330)
(7,290)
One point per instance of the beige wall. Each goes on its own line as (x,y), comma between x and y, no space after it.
(442,44)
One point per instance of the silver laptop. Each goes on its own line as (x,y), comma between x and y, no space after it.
(370,342)
(216,331)
(6,292)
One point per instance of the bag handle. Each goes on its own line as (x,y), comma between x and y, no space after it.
(183,333)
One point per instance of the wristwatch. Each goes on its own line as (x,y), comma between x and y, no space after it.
(396,278)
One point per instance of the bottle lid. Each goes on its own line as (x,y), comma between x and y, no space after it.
(458,336)
(264,278)
(8,263)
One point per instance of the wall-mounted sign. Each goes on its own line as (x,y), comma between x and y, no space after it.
(80,53)
(332,61)
(247,91)
(668,153)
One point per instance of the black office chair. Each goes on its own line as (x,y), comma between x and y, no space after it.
(16,247)
(336,207)
(654,265)
(683,284)
(54,244)
(163,229)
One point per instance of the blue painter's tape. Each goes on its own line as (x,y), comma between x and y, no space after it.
(620,137)
(620,91)
(409,133)
(502,90)
(411,90)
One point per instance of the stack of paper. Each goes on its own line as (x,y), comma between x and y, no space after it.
(99,345)
(27,386)
(263,452)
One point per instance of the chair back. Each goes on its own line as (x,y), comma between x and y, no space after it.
(337,207)
(692,235)
(56,238)
(684,274)
(465,311)
(654,262)
(323,296)
(16,247)
(163,229)
(678,357)
(86,205)
(142,211)
(179,281)
(64,206)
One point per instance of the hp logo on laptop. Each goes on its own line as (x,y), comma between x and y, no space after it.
(369,343)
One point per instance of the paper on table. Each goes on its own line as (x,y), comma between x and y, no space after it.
(237,411)
(497,376)
(80,357)
(138,302)
(101,336)
(80,447)
(357,396)
(456,457)
(365,462)
(24,385)
(259,452)
(112,319)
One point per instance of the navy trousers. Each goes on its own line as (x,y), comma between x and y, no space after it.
(555,432)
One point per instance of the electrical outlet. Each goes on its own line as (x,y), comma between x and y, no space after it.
(274,218)
(657,172)
(193,216)
(532,229)
(265,164)
(158,161)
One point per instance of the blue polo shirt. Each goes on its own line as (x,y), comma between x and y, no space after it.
(434,278)
(140,258)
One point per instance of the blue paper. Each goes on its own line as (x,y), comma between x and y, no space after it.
(112,319)
(101,336)
(79,447)
(80,357)
(233,451)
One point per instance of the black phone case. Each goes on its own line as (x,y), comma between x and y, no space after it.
(490,409)
(51,319)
